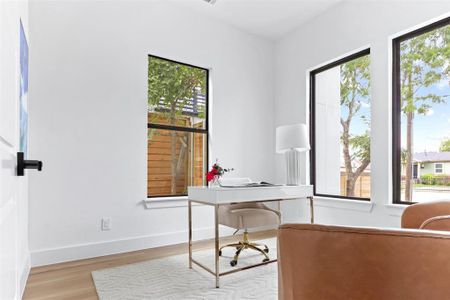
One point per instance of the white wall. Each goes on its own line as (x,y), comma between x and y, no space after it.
(88,119)
(14,251)
(340,30)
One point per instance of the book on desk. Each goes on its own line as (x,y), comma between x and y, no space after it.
(248,184)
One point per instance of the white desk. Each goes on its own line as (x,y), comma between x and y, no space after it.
(216,196)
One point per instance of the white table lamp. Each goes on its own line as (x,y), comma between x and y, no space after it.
(291,140)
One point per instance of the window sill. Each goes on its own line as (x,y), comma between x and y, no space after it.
(166,202)
(396,210)
(358,205)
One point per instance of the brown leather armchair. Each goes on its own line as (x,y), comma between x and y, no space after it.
(431,215)
(318,262)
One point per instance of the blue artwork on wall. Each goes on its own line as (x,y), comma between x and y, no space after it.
(23,96)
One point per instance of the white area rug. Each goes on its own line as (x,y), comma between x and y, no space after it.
(171,278)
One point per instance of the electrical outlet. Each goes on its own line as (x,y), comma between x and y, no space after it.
(106,223)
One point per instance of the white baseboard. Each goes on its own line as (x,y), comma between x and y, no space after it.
(89,250)
(24,273)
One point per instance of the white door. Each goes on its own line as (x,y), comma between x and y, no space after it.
(14,254)
(9,270)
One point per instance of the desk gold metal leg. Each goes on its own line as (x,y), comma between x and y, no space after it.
(190,232)
(311,207)
(216,242)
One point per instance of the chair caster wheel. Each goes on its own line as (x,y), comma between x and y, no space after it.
(266,260)
(220,252)
(266,250)
(233,263)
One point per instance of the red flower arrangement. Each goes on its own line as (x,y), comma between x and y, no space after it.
(216,172)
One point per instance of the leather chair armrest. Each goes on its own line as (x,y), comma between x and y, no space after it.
(415,215)
(237,210)
(273,210)
(437,223)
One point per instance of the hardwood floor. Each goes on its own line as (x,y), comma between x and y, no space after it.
(73,280)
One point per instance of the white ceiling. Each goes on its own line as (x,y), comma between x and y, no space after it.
(267,18)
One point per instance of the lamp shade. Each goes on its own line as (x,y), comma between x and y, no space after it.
(292,137)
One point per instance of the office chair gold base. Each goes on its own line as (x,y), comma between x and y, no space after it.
(246,244)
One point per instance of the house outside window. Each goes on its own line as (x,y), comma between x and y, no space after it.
(177,127)
(421,114)
(340,124)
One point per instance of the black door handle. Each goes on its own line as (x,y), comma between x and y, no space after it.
(23,164)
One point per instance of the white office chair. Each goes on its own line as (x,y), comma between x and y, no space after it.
(242,216)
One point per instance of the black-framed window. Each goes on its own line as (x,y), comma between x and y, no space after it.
(421,114)
(177,127)
(340,128)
